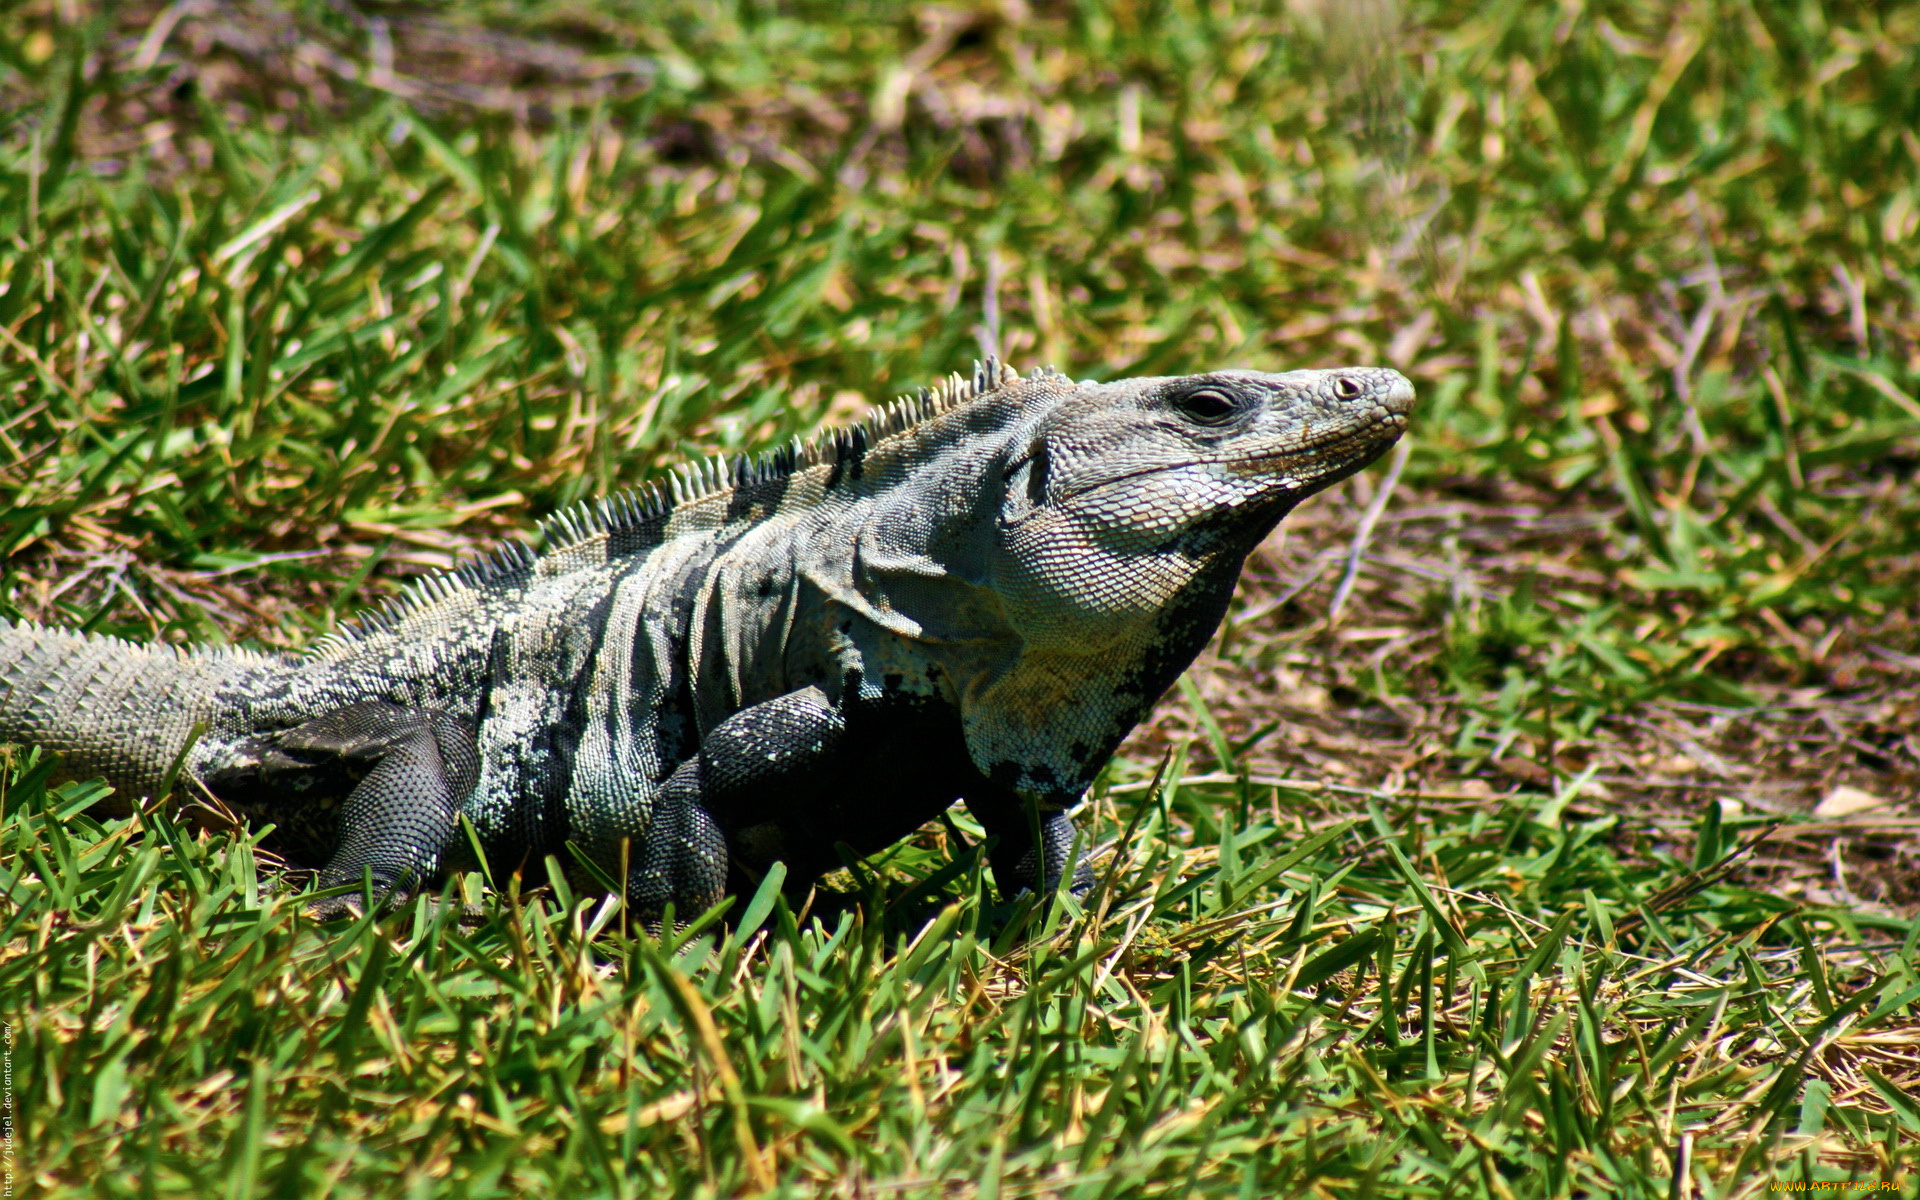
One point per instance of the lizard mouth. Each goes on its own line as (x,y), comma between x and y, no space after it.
(1354,449)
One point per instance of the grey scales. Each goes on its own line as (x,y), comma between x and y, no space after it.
(972,596)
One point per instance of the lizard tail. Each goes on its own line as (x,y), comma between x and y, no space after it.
(113,709)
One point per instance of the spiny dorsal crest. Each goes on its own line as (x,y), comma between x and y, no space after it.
(168,650)
(637,510)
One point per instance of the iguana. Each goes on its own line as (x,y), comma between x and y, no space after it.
(975,594)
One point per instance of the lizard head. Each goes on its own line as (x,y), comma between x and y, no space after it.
(1127,493)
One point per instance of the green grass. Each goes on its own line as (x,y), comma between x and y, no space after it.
(302,302)
(1243,1009)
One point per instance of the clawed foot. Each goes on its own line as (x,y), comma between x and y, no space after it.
(351,906)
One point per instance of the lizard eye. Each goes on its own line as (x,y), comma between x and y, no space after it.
(1347,388)
(1207,406)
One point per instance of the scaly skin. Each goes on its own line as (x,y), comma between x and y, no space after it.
(974,596)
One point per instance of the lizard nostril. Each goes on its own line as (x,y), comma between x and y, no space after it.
(1347,388)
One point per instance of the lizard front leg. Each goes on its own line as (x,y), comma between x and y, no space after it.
(788,780)
(729,804)
(682,860)
(399,819)
(1033,840)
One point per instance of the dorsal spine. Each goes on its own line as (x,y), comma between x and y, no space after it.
(688,483)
